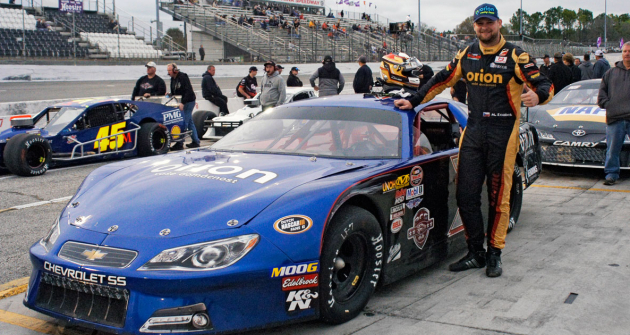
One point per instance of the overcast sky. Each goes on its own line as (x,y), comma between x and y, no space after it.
(442,14)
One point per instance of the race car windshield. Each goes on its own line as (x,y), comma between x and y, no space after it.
(337,132)
(577,94)
(60,118)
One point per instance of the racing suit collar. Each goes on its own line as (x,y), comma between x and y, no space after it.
(493,50)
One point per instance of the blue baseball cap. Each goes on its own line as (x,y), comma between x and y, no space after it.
(488,11)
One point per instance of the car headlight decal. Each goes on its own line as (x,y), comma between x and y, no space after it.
(545,135)
(51,237)
(203,256)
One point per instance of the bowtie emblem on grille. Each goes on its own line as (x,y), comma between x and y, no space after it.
(93,254)
(579,132)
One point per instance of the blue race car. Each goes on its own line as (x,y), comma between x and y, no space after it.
(298,214)
(85,131)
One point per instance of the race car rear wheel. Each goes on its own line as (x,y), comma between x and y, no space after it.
(153,139)
(27,155)
(351,264)
(516,198)
(199,120)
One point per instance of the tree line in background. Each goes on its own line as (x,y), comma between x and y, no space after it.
(561,23)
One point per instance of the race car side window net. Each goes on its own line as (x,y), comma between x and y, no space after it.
(101,115)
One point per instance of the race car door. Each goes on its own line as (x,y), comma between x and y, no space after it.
(99,122)
(419,237)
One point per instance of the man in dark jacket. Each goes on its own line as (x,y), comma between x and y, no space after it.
(331,81)
(544,69)
(363,79)
(246,88)
(149,85)
(614,98)
(202,52)
(180,85)
(601,65)
(294,80)
(576,73)
(426,73)
(212,92)
(559,74)
(586,68)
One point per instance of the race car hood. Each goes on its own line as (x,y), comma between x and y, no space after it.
(588,122)
(236,117)
(191,192)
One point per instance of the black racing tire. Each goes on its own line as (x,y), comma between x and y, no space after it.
(356,238)
(153,139)
(516,198)
(27,155)
(199,120)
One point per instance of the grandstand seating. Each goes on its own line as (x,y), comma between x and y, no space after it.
(38,44)
(88,22)
(12,19)
(130,47)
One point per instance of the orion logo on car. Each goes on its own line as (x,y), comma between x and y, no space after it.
(293,224)
(300,282)
(301,300)
(85,276)
(297,269)
(416,176)
(209,171)
(415,192)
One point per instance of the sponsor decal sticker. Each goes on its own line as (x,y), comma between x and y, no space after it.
(209,171)
(455,162)
(399,200)
(532,171)
(422,225)
(415,192)
(473,56)
(414,203)
(486,114)
(495,66)
(400,196)
(173,116)
(396,215)
(113,142)
(500,60)
(504,52)
(83,276)
(402,181)
(293,224)
(397,208)
(297,269)
(301,300)
(389,186)
(71,138)
(457,226)
(528,65)
(397,225)
(416,176)
(394,253)
(535,76)
(300,282)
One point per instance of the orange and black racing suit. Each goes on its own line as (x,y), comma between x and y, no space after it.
(489,145)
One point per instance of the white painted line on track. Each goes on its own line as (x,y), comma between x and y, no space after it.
(35,204)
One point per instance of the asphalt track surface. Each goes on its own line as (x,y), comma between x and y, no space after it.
(48,90)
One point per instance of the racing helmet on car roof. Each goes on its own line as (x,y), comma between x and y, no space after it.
(401,70)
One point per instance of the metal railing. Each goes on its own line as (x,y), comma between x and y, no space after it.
(116,150)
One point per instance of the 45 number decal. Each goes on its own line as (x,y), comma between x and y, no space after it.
(112,142)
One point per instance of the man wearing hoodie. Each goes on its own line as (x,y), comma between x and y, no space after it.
(586,67)
(601,65)
(331,81)
(273,88)
(212,92)
(614,98)
(294,80)
(180,85)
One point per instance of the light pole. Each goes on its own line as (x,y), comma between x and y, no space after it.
(157,19)
(521,28)
(605,24)
(23,33)
(419,29)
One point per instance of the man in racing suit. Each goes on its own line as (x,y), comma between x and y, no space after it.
(496,73)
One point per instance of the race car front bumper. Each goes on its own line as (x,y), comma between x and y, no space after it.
(581,156)
(242,296)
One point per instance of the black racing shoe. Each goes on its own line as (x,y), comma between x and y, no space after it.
(493,260)
(178,146)
(193,145)
(610,181)
(475,258)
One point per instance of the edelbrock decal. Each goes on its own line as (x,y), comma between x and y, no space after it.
(300,282)
(209,171)
(85,276)
(293,224)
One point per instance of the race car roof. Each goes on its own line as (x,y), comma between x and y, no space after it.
(85,103)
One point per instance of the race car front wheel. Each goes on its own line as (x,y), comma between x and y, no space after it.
(27,155)
(351,264)
(516,198)
(153,139)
